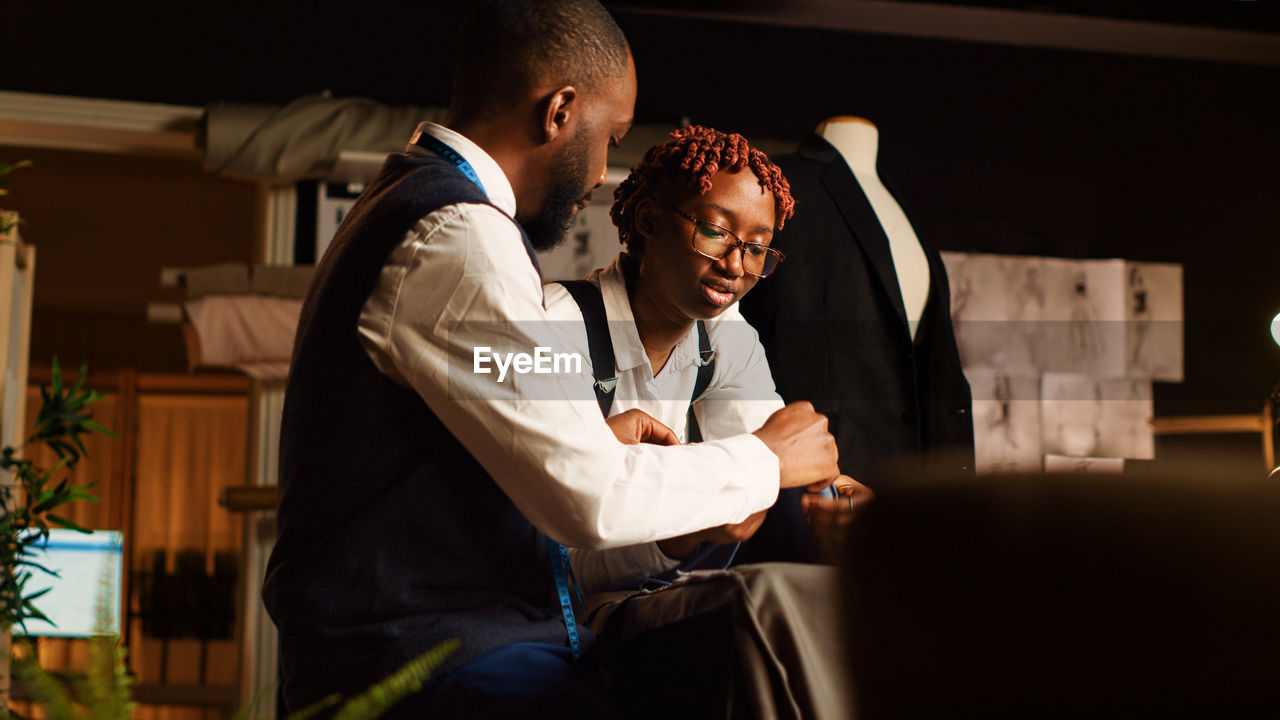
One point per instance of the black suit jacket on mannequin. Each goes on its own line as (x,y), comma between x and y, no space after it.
(834,326)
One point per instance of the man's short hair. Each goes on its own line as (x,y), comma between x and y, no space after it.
(507,47)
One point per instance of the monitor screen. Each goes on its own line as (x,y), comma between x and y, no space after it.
(89,573)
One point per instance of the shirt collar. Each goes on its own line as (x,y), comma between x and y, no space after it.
(628,351)
(495,181)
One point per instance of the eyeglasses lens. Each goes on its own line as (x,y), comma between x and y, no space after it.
(715,242)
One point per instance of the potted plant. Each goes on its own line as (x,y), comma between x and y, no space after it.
(31,497)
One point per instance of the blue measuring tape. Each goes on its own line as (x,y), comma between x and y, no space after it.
(560,566)
(435,145)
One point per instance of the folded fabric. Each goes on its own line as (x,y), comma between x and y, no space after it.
(243,329)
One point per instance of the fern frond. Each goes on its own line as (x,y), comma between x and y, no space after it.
(407,680)
(46,690)
(316,708)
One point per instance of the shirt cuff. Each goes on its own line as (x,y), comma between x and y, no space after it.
(758,467)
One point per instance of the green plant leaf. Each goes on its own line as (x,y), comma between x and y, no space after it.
(79,383)
(70,525)
(38,593)
(316,708)
(57,377)
(79,493)
(51,694)
(32,563)
(378,699)
(98,428)
(31,612)
(62,419)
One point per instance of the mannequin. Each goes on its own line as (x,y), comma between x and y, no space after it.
(858,322)
(857,141)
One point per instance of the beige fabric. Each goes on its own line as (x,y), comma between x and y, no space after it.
(189,448)
(237,329)
(787,657)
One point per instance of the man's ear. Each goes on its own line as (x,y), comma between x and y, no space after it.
(560,110)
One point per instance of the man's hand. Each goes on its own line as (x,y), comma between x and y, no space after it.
(806,452)
(680,547)
(636,426)
(830,517)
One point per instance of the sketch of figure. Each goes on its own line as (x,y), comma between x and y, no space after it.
(1085,342)
(1153,328)
(1006,421)
(1002,420)
(1028,305)
(1031,290)
(1140,321)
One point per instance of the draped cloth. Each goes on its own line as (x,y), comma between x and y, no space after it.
(756,641)
(303,138)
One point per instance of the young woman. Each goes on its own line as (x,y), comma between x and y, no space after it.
(696,217)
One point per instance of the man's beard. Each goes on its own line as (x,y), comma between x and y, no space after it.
(551,225)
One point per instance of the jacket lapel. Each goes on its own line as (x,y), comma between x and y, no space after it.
(848,196)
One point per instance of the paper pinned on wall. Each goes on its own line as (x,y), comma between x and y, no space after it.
(996,306)
(1102,318)
(1060,354)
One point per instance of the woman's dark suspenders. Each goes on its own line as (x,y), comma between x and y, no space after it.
(600,347)
(603,368)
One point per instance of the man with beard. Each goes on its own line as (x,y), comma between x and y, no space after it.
(423,497)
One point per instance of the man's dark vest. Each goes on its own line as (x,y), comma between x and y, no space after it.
(392,537)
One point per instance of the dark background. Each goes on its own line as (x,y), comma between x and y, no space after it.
(994,148)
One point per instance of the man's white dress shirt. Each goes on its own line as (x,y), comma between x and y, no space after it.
(461,278)
(739,399)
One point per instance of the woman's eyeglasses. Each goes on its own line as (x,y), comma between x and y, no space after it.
(715,242)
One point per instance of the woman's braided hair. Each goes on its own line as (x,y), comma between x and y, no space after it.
(690,158)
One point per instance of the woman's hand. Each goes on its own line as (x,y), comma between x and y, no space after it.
(830,517)
(680,547)
(636,426)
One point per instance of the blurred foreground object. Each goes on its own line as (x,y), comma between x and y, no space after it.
(1067,596)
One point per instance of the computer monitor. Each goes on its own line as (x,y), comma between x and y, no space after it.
(89,576)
